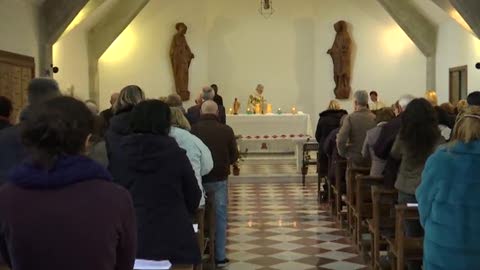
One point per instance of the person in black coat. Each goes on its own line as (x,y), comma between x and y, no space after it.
(385,141)
(328,121)
(218,99)
(163,186)
(119,127)
(108,113)
(12,151)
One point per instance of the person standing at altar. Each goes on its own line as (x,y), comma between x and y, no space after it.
(193,113)
(257,98)
(218,99)
(220,139)
(352,134)
(376,104)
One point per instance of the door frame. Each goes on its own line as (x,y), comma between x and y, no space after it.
(18,60)
(455,69)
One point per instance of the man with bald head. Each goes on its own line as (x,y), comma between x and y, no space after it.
(193,114)
(221,141)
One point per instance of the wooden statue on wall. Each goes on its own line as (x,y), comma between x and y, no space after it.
(181,57)
(341,53)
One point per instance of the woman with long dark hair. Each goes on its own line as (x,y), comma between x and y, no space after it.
(60,209)
(418,138)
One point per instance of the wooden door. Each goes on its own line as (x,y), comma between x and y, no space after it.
(16,71)
(458,80)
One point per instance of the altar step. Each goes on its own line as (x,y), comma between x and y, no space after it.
(269,158)
(252,179)
(271,171)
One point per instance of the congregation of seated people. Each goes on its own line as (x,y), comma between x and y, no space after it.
(105,188)
(427,154)
(83,189)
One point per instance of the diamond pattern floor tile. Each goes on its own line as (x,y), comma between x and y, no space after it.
(281,226)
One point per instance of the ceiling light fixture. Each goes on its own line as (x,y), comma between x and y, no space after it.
(266,8)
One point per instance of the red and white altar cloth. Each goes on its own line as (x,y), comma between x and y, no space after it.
(272,133)
(271,126)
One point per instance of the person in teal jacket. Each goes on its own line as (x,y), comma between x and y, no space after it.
(449,199)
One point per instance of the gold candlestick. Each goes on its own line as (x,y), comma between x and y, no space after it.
(258,109)
(269,108)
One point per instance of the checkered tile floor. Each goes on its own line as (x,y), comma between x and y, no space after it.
(281,226)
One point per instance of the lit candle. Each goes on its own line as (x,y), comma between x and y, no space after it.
(269,108)
(279,111)
(230,111)
(294,110)
(249,111)
(258,110)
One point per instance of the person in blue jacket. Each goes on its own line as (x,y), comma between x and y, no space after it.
(449,199)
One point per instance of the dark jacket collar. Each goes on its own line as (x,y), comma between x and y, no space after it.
(333,112)
(66,171)
(208,117)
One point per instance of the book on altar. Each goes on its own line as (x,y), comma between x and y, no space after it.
(151,265)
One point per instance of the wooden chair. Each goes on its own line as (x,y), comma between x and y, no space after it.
(352,171)
(363,207)
(200,220)
(307,160)
(382,224)
(210,227)
(405,248)
(340,166)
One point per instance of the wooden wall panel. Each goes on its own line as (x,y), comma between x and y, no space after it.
(16,71)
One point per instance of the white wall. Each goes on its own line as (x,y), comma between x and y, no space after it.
(140,55)
(456,47)
(237,48)
(287,53)
(19,28)
(71,57)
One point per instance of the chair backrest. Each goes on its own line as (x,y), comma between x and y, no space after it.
(383,210)
(340,170)
(310,146)
(403,242)
(352,172)
(363,190)
(210,211)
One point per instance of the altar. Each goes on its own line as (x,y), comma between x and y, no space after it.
(272,133)
(271,125)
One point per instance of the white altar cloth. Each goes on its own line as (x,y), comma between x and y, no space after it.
(260,126)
